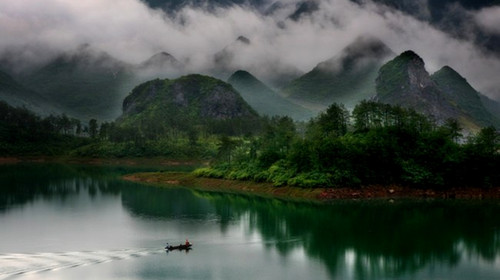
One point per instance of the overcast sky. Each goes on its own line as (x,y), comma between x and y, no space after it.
(130,31)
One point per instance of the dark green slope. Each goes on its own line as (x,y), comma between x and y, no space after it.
(187,103)
(85,84)
(493,106)
(17,95)
(346,78)
(404,81)
(264,100)
(459,92)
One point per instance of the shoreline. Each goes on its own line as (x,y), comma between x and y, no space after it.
(263,189)
(127,161)
(188,180)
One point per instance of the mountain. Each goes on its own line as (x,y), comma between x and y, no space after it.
(264,100)
(404,81)
(493,106)
(236,56)
(85,84)
(458,91)
(224,60)
(185,103)
(161,61)
(346,78)
(160,65)
(18,96)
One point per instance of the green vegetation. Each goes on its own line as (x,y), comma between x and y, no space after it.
(194,104)
(199,117)
(24,133)
(181,119)
(383,144)
(395,75)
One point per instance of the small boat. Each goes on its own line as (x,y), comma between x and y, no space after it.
(180,247)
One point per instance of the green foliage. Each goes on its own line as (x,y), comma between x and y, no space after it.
(24,133)
(193,104)
(395,75)
(386,145)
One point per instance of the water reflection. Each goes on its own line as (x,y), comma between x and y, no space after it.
(377,238)
(26,182)
(356,240)
(372,238)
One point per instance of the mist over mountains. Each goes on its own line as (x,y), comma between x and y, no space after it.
(194,31)
(83,59)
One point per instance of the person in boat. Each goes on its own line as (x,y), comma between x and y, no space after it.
(187,242)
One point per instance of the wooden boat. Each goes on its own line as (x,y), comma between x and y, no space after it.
(180,247)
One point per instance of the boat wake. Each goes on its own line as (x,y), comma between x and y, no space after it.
(12,265)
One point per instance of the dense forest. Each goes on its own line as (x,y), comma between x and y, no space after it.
(377,144)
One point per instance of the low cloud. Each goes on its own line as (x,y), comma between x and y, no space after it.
(489,19)
(132,32)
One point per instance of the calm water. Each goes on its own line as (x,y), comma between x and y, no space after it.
(78,222)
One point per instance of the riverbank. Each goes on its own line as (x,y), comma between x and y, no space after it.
(160,161)
(188,180)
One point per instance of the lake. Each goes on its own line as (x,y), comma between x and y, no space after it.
(83,222)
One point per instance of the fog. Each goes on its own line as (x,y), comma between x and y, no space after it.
(130,31)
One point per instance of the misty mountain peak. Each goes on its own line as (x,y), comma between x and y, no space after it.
(363,50)
(347,78)
(450,73)
(368,46)
(241,74)
(160,59)
(263,99)
(244,40)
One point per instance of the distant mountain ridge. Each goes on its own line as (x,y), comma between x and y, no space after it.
(17,95)
(89,84)
(264,100)
(275,73)
(347,78)
(86,83)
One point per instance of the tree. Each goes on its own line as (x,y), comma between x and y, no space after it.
(487,141)
(451,129)
(225,148)
(93,128)
(104,130)
(334,120)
